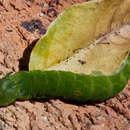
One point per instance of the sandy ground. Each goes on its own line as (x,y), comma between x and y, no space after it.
(22,23)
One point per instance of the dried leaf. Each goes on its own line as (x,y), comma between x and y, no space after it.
(99,30)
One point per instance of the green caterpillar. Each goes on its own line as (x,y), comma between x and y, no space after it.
(35,84)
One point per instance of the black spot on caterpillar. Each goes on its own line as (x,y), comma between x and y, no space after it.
(65,85)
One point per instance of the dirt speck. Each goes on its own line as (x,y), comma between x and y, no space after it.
(34,25)
(82,62)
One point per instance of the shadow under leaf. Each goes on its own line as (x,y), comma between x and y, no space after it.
(24,61)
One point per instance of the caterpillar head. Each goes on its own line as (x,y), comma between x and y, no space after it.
(9,91)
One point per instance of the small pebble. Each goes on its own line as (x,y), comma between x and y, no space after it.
(101,118)
(41,14)
(45,5)
(44,118)
(76,107)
